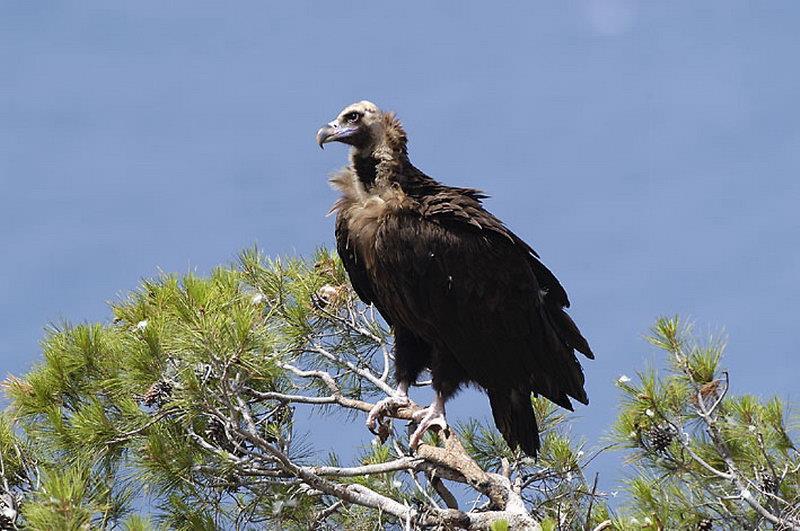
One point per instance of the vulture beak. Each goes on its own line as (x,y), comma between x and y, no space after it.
(333,133)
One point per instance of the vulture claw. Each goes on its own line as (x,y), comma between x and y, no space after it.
(432,416)
(381,409)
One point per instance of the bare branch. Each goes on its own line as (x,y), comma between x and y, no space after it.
(363,372)
(455,458)
(349,324)
(350,403)
(403,463)
(591,500)
(127,435)
(443,492)
(386,363)
(322,375)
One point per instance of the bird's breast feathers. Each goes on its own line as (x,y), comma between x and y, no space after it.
(365,211)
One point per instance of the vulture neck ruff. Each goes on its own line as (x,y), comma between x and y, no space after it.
(380,168)
(382,163)
(366,169)
(371,187)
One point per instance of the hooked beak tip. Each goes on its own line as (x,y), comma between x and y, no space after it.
(334,132)
(323,136)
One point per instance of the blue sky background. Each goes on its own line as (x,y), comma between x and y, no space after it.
(649,151)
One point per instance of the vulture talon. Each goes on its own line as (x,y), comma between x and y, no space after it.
(382,408)
(431,416)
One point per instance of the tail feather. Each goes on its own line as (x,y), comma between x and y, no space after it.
(568,331)
(514,417)
(563,377)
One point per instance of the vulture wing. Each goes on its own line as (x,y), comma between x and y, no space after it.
(460,211)
(352,263)
(457,276)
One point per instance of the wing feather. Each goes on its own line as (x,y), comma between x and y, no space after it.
(468,283)
(354,266)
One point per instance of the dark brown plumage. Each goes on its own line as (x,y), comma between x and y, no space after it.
(466,297)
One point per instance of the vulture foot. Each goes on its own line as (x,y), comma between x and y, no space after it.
(431,416)
(382,408)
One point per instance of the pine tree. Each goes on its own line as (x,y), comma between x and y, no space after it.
(183,407)
(711,459)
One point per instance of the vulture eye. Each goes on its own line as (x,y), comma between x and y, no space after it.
(352,117)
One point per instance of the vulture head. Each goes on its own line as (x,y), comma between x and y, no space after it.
(365,127)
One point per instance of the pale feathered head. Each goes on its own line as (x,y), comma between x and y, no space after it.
(364,126)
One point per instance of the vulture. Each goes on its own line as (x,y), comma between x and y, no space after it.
(466,298)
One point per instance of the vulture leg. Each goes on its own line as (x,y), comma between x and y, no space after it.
(387,405)
(427,418)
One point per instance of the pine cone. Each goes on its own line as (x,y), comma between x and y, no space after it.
(709,392)
(158,394)
(769,483)
(661,436)
(327,296)
(8,511)
(282,415)
(215,433)
(705,524)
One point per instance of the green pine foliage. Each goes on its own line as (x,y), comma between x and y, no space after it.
(81,409)
(179,414)
(700,453)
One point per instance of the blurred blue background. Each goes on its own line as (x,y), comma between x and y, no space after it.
(649,151)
